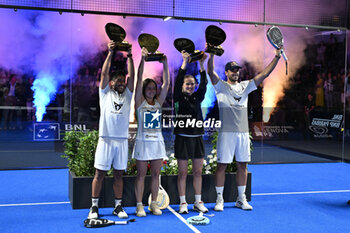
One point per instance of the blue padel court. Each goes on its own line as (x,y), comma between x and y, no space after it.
(308,197)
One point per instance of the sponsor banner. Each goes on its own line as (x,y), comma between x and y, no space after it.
(265,130)
(44,131)
(321,126)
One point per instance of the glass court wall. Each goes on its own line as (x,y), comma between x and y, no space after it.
(54,57)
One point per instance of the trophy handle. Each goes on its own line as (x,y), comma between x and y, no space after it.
(122,46)
(154,56)
(216,50)
(196,56)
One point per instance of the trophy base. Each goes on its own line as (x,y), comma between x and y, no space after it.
(196,56)
(154,57)
(214,50)
(122,47)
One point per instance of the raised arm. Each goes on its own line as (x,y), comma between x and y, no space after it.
(131,71)
(107,65)
(180,76)
(138,92)
(268,69)
(203,82)
(166,81)
(214,77)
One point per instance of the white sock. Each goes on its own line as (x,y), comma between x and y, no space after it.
(219,191)
(117,202)
(241,191)
(183,199)
(94,202)
(138,203)
(197,198)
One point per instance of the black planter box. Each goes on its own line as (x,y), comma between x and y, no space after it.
(80,190)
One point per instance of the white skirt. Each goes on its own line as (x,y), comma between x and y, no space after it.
(149,150)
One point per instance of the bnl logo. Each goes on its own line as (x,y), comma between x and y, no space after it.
(151,120)
(46,131)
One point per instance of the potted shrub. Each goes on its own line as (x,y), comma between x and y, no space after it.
(80,150)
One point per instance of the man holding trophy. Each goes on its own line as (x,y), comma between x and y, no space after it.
(115,94)
(233,139)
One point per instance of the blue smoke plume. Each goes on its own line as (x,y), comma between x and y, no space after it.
(209,99)
(49,46)
(45,88)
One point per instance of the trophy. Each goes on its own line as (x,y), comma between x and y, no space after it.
(214,37)
(117,34)
(151,43)
(187,45)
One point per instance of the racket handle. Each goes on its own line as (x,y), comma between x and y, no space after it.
(120,222)
(284,55)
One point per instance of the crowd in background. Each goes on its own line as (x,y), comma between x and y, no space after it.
(319,85)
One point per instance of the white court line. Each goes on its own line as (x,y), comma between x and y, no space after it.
(178,215)
(183,220)
(306,192)
(41,203)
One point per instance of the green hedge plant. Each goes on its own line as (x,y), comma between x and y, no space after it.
(79,150)
(80,147)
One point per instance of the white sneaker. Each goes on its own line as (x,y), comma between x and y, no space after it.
(93,214)
(183,208)
(219,206)
(119,211)
(200,207)
(243,204)
(140,211)
(155,208)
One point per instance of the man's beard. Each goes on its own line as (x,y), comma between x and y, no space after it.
(234,78)
(116,89)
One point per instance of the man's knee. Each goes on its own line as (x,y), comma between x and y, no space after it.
(118,174)
(241,166)
(99,175)
(221,167)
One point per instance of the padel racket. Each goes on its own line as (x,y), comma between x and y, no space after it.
(274,35)
(198,220)
(100,222)
(163,199)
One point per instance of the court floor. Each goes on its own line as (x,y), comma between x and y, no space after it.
(308,197)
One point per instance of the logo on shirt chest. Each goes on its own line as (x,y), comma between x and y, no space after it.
(117,106)
(237,99)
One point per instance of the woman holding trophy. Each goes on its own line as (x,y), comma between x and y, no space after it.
(149,145)
(188,140)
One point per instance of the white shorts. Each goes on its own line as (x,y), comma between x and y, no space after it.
(149,150)
(111,152)
(230,145)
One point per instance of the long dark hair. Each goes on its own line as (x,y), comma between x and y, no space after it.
(145,83)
